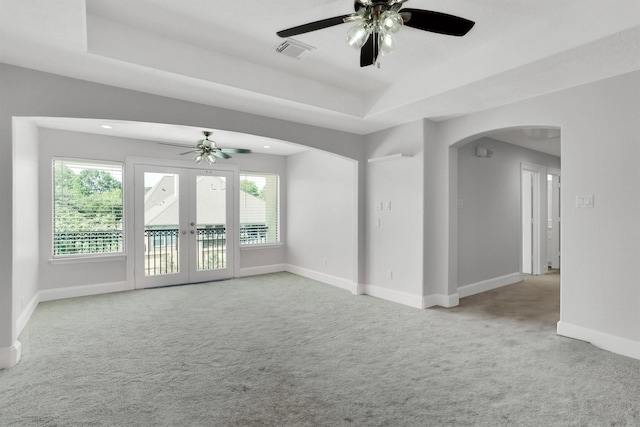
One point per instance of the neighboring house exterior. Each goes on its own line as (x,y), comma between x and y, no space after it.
(161,219)
(161,205)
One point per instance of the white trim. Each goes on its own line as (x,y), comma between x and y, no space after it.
(446,301)
(27,312)
(612,343)
(489,284)
(261,269)
(257,246)
(389,157)
(10,356)
(82,291)
(539,214)
(76,259)
(322,277)
(394,296)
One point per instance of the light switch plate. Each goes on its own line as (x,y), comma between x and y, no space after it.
(585,201)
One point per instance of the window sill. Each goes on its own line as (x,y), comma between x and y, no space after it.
(261,246)
(88,258)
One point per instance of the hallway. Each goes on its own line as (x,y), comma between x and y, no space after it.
(534,302)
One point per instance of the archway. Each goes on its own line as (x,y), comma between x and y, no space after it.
(486,199)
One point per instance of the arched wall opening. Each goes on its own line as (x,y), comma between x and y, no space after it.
(309,194)
(488,200)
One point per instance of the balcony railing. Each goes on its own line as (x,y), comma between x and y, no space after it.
(87,242)
(252,234)
(161,246)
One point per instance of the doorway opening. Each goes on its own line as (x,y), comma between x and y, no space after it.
(186,225)
(506,222)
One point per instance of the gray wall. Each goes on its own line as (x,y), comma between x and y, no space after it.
(322,214)
(394,236)
(489,208)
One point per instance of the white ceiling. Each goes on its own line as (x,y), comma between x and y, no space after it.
(221,53)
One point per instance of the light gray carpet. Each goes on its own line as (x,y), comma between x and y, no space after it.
(280,350)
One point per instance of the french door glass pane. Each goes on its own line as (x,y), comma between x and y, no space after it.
(211,219)
(161,223)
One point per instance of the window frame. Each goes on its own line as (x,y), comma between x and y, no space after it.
(278,242)
(96,256)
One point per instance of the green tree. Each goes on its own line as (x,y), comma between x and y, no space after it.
(250,188)
(88,201)
(94,181)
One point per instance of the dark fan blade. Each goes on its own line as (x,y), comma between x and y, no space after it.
(438,22)
(369,52)
(221,155)
(236,150)
(313,26)
(190,151)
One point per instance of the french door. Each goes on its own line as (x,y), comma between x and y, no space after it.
(183,225)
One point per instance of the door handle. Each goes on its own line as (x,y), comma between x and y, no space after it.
(193,223)
(193,232)
(184,231)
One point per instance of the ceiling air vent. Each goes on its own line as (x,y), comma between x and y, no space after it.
(294,48)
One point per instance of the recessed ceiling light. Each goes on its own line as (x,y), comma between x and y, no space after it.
(267,146)
(106,127)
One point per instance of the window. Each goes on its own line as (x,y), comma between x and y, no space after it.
(259,216)
(87,207)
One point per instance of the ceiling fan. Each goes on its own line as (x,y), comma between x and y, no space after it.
(208,151)
(377,22)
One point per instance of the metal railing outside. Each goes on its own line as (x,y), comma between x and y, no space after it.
(87,242)
(161,245)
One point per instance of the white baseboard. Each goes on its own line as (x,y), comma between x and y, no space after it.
(446,301)
(62,293)
(612,343)
(322,277)
(261,269)
(487,285)
(27,312)
(394,296)
(10,356)
(82,291)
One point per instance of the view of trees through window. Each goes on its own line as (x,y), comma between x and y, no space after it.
(87,207)
(259,209)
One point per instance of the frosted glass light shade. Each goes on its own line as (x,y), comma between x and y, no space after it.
(387,43)
(390,22)
(358,35)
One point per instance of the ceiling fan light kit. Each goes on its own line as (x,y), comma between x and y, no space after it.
(377,23)
(207,150)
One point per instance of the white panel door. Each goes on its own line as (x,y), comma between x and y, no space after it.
(183,225)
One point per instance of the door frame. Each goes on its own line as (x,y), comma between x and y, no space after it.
(556,227)
(129,206)
(539,211)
